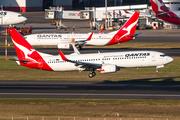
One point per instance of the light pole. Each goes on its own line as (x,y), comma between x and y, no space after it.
(106,14)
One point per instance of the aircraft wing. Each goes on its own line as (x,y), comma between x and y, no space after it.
(77,63)
(82,40)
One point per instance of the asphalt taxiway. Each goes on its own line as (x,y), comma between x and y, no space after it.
(90,90)
(54,51)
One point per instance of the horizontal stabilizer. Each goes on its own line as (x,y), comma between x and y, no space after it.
(162,13)
(17,60)
(134,35)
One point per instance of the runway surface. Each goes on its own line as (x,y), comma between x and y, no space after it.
(90,90)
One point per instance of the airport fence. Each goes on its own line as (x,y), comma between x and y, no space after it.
(81,118)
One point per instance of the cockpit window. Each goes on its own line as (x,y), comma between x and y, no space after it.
(3,13)
(163,55)
(19,15)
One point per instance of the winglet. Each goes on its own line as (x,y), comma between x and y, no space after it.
(101,30)
(126,11)
(89,38)
(62,56)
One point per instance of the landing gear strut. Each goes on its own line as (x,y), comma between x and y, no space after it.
(157,70)
(78,47)
(92,74)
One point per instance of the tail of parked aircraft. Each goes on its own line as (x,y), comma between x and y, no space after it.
(127,30)
(158,6)
(27,55)
(164,13)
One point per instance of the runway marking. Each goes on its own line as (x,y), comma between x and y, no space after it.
(34,86)
(77,94)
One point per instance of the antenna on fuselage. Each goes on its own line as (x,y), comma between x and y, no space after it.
(1,7)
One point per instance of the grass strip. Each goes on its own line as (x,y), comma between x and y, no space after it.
(82,109)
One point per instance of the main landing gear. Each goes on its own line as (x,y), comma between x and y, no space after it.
(79,47)
(157,70)
(92,74)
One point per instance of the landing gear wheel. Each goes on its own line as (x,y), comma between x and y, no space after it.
(157,70)
(92,74)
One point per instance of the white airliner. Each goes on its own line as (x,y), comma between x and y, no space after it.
(10,18)
(63,41)
(129,13)
(104,62)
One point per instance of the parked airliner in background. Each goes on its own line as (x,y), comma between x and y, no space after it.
(129,13)
(164,13)
(63,41)
(10,18)
(104,62)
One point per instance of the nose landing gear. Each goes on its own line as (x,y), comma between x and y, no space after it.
(92,74)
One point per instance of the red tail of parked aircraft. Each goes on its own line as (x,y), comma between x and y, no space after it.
(164,13)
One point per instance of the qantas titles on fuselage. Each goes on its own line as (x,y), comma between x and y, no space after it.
(48,36)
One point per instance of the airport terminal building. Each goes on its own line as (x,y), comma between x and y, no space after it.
(40,5)
(34,5)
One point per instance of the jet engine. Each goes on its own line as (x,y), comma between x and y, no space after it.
(108,68)
(64,46)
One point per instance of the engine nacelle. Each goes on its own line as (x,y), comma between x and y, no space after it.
(108,68)
(63,45)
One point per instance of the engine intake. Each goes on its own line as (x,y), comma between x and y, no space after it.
(108,68)
(64,45)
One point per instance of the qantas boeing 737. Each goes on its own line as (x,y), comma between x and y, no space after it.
(63,41)
(104,62)
(164,13)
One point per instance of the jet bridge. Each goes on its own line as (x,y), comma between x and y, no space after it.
(92,14)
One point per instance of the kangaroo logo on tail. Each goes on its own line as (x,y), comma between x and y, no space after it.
(27,55)
(128,30)
(158,5)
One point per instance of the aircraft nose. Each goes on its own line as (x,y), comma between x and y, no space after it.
(169,59)
(24,18)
